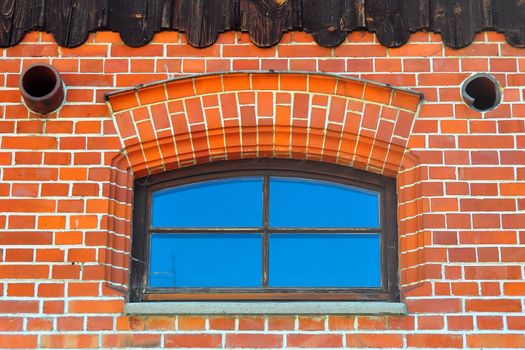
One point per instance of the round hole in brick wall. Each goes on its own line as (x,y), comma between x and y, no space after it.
(481,92)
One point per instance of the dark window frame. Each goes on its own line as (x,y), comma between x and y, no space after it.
(144,187)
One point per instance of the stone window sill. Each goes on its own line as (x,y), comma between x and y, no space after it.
(266,308)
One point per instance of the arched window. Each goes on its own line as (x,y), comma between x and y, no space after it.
(265,230)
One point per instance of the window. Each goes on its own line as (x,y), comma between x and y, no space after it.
(264,230)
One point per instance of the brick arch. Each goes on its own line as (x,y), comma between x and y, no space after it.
(182,122)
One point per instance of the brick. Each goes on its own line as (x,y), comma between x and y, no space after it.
(13,306)
(11,324)
(493,305)
(371,322)
(24,271)
(314,340)
(460,323)
(254,341)
(281,323)
(21,289)
(489,322)
(95,306)
(16,341)
(434,340)
(39,324)
(311,323)
(34,174)
(193,341)
(222,323)
(430,322)
(374,340)
(508,340)
(99,323)
(160,323)
(251,323)
(131,340)
(70,323)
(516,322)
(192,323)
(492,272)
(434,305)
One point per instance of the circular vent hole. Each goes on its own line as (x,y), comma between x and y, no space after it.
(39,81)
(481,92)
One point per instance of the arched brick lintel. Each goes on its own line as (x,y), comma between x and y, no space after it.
(200,119)
(242,115)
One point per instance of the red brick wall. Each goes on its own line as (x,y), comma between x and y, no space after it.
(461,212)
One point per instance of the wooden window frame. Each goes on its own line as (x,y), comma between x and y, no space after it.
(386,186)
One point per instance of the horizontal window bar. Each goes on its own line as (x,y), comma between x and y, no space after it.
(324,230)
(272,230)
(243,295)
(206,230)
(267,290)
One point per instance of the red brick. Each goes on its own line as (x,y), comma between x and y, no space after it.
(494,305)
(251,323)
(434,340)
(374,340)
(131,340)
(311,323)
(11,324)
(15,341)
(314,340)
(191,323)
(222,323)
(96,306)
(193,341)
(254,341)
(13,306)
(508,340)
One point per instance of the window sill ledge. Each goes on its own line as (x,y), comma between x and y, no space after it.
(266,308)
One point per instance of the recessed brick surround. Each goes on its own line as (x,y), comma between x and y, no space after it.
(183,122)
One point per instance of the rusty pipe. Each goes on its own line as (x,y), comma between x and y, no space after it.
(42,88)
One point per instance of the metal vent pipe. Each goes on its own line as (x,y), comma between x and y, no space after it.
(42,88)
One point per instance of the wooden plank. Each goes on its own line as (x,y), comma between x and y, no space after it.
(7,14)
(86,17)
(393,20)
(330,21)
(267,20)
(510,20)
(71,21)
(202,20)
(136,20)
(58,19)
(17,17)
(457,21)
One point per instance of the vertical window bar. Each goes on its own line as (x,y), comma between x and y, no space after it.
(265,243)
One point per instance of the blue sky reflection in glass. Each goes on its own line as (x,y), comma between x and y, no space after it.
(234,202)
(325,260)
(313,203)
(205,260)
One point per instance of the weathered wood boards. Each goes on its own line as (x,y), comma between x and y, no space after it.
(329,21)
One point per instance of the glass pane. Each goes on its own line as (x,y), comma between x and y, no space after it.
(312,203)
(324,260)
(235,202)
(205,260)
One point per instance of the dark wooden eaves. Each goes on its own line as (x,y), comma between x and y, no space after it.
(329,21)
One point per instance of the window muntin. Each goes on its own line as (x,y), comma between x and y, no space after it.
(357,256)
